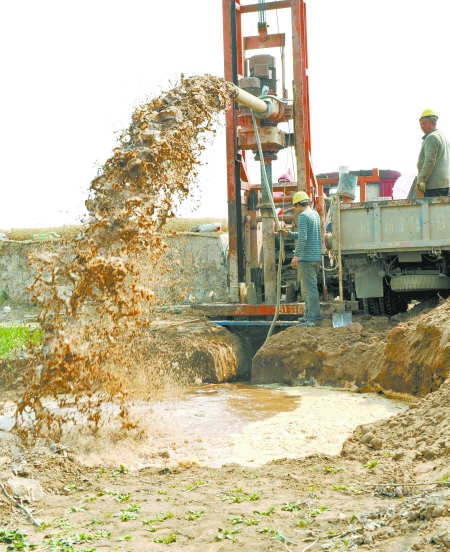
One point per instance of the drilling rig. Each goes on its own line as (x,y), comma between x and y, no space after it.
(250,65)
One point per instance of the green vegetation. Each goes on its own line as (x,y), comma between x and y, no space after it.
(194,514)
(371,465)
(172,537)
(16,338)
(15,539)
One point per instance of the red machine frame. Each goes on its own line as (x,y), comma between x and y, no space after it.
(235,46)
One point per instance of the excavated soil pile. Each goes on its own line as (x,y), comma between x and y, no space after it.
(420,433)
(411,357)
(96,305)
(194,352)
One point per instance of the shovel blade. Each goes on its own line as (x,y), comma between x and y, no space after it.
(341,319)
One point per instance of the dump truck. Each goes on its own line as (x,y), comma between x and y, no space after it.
(392,251)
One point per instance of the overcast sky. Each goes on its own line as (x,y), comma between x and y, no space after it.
(73,70)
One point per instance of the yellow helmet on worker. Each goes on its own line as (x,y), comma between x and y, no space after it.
(300,197)
(429,113)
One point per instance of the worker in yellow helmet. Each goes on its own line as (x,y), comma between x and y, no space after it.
(307,256)
(433,164)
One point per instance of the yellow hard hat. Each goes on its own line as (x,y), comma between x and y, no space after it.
(429,113)
(300,197)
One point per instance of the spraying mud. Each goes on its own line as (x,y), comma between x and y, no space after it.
(95,305)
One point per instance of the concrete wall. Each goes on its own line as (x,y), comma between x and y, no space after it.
(200,270)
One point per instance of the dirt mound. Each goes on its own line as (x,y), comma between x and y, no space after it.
(420,433)
(370,354)
(326,355)
(191,351)
(416,358)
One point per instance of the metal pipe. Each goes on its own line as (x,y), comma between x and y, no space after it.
(341,286)
(252,102)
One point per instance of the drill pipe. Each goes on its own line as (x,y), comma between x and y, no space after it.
(252,102)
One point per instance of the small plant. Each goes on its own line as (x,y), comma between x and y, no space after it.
(75,509)
(15,539)
(102,534)
(161,492)
(304,522)
(61,522)
(171,537)
(123,469)
(371,465)
(226,534)
(237,519)
(107,492)
(317,511)
(444,479)
(290,507)
(340,488)
(333,469)
(132,508)
(152,529)
(100,472)
(158,518)
(251,521)
(80,538)
(193,515)
(123,497)
(266,513)
(126,538)
(126,516)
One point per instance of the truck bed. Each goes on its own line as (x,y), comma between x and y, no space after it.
(384,226)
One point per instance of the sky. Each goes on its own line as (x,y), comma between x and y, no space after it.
(73,70)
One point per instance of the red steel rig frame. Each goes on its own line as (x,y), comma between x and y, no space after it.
(248,251)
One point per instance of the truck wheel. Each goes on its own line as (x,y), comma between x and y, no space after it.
(420,282)
(372,306)
(393,303)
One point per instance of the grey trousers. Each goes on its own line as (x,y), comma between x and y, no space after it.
(308,271)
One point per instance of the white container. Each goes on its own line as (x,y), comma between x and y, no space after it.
(210,227)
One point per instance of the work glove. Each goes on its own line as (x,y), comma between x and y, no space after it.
(421,186)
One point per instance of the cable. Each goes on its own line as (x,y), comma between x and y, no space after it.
(262,11)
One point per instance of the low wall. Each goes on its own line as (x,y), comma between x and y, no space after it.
(193,267)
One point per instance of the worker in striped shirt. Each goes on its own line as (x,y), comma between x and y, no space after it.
(307,257)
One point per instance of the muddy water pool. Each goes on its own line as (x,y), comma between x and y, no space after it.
(250,425)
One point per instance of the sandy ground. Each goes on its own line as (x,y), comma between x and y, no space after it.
(386,490)
(331,503)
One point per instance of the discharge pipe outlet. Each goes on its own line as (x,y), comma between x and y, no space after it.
(262,107)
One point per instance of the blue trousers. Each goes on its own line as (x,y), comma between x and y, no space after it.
(308,272)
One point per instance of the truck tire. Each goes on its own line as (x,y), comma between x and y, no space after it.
(372,306)
(420,283)
(392,303)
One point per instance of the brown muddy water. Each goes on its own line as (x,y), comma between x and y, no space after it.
(220,424)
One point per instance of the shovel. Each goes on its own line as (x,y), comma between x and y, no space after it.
(340,319)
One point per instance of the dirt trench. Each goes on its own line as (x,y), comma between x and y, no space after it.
(409,354)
